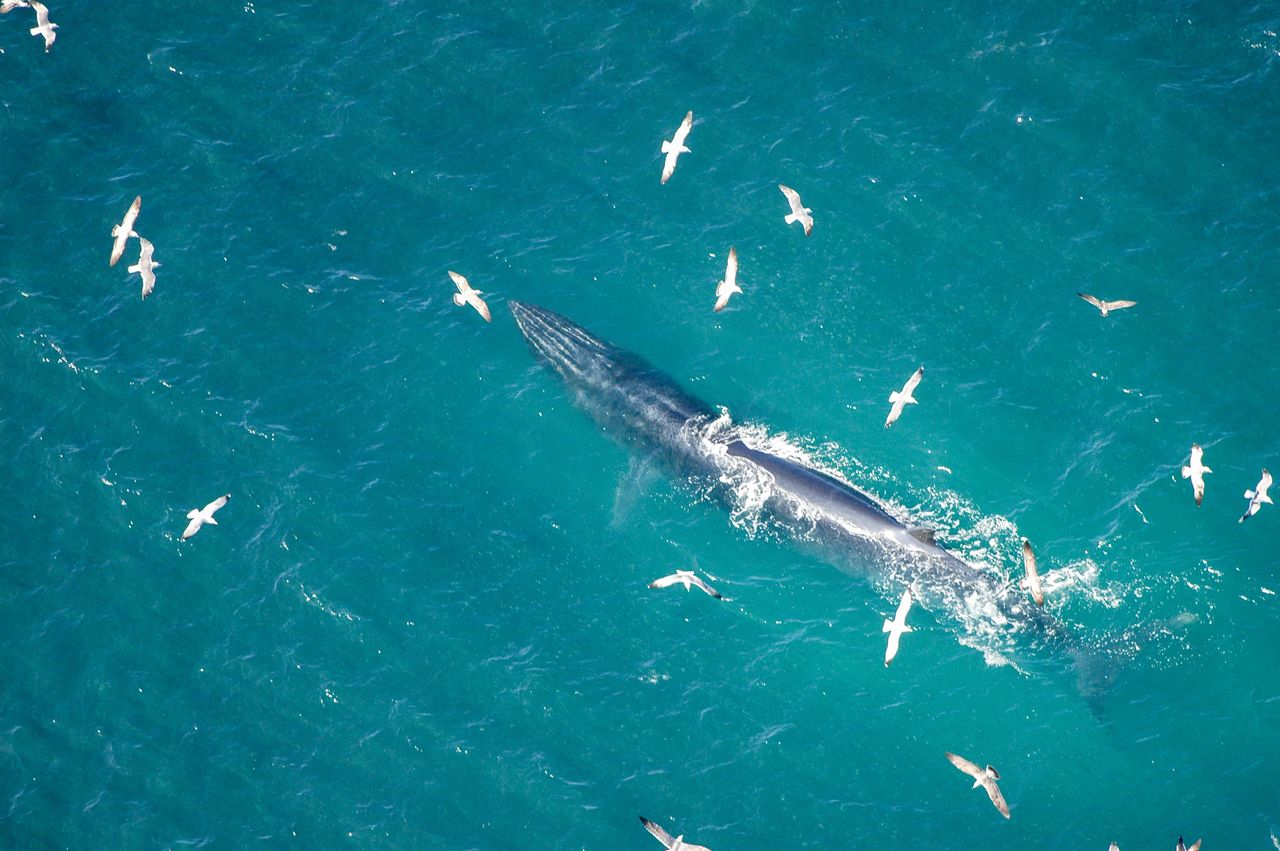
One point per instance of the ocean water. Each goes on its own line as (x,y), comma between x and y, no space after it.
(423,622)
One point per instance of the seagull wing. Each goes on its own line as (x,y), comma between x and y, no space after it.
(913,382)
(1118,305)
(731,268)
(464,287)
(1197,455)
(793,198)
(125,229)
(1093,299)
(658,833)
(904,606)
(964,765)
(1265,482)
(993,792)
(666,581)
(212,507)
(192,527)
(682,132)
(1033,576)
(698,581)
(479,304)
(42,15)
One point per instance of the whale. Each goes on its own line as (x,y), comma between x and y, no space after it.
(646,409)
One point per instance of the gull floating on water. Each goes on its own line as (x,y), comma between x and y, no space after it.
(145,266)
(1106,306)
(124,230)
(199,517)
(1032,580)
(1194,847)
(896,627)
(726,288)
(903,397)
(675,147)
(1257,496)
(8,6)
(984,777)
(671,844)
(688,579)
(1195,472)
(43,26)
(799,212)
(467,295)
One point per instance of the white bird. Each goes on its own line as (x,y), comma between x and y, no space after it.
(145,266)
(896,627)
(124,230)
(903,397)
(1195,471)
(984,777)
(467,295)
(1032,580)
(1115,846)
(1106,306)
(688,579)
(676,147)
(671,844)
(726,288)
(43,26)
(1257,496)
(1194,847)
(799,212)
(199,517)
(8,6)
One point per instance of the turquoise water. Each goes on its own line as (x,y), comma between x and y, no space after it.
(422,621)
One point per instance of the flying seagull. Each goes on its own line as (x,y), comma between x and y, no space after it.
(1032,580)
(7,6)
(896,627)
(1114,847)
(467,295)
(1195,471)
(984,777)
(124,230)
(675,147)
(688,579)
(1105,306)
(1195,846)
(903,397)
(43,26)
(726,288)
(145,266)
(1257,496)
(204,515)
(799,212)
(676,844)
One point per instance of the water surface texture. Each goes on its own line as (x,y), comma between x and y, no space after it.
(422,621)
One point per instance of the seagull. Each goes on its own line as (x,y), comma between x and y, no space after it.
(1114,847)
(896,627)
(1194,847)
(1105,306)
(1195,471)
(145,265)
(204,515)
(1257,496)
(675,147)
(688,579)
(8,6)
(467,295)
(726,288)
(984,777)
(676,844)
(903,397)
(1032,580)
(124,230)
(799,212)
(43,26)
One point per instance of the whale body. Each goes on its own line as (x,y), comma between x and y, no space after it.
(643,406)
